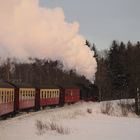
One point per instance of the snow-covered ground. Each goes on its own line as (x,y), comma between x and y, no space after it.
(81,121)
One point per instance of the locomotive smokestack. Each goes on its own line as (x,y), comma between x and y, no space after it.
(28,30)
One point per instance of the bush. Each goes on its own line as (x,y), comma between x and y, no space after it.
(118,108)
(106,108)
(52,126)
(126,107)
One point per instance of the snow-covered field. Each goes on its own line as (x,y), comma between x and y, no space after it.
(81,121)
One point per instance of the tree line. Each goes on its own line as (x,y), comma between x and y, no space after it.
(118,71)
(38,72)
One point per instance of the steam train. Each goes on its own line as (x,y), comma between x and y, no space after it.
(18,97)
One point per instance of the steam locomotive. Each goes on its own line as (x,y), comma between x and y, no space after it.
(17,97)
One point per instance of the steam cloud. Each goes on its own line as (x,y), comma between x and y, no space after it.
(28,30)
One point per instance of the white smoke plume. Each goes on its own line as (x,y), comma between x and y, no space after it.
(29,30)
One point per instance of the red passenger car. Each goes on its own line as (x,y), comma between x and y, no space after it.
(24,97)
(47,96)
(7,93)
(69,94)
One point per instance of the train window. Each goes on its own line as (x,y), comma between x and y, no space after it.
(27,95)
(5,94)
(2,97)
(31,95)
(5,97)
(23,96)
(11,96)
(8,96)
(46,94)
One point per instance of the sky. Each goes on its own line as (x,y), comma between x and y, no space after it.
(102,21)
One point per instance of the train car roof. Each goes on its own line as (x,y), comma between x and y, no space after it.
(5,85)
(67,86)
(47,86)
(21,85)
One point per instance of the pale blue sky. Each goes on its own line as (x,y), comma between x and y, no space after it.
(102,21)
